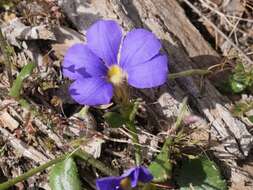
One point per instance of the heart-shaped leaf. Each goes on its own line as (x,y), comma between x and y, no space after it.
(64,176)
(250,118)
(114,119)
(200,174)
(161,167)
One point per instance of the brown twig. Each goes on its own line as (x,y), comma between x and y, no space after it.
(218,30)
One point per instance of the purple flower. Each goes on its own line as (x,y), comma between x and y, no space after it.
(107,60)
(130,178)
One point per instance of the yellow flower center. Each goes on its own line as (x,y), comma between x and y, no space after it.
(115,75)
(125,184)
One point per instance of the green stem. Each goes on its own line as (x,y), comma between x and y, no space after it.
(188,73)
(128,111)
(132,128)
(95,163)
(31,172)
(182,111)
(6,50)
(78,154)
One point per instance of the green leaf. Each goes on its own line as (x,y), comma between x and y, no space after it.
(6,4)
(241,107)
(239,72)
(161,167)
(18,83)
(250,118)
(238,81)
(237,86)
(64,176)
(200,174)
(114,119)
(241,79)
(129,111)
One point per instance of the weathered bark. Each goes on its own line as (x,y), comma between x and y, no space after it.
(184,45)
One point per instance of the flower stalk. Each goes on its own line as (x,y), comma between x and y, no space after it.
(128,110)
(137,148)
(78,154)
(188,73)
(31,172)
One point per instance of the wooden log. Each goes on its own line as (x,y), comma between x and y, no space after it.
(186,47)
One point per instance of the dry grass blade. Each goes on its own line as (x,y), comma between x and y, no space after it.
(208,4)
(195,9)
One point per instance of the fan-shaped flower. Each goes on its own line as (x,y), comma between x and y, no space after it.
(107,60)
(128,180)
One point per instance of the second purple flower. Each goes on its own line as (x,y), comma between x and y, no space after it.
(108,59)
(128,180)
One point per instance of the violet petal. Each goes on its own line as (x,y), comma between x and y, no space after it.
(80,61)
(104,39)
(144,175)
(108,183)
(138,174)
(91,91)
(150,74)
(138,46)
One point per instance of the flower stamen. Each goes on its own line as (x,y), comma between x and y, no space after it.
(115,75)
